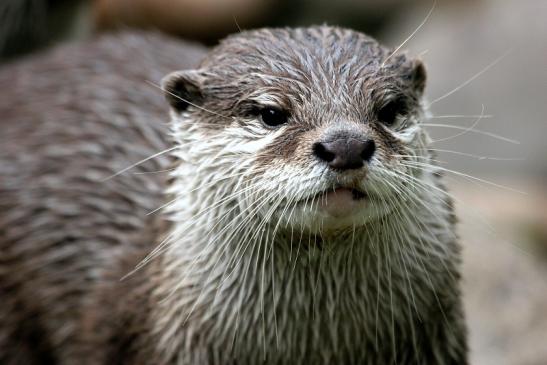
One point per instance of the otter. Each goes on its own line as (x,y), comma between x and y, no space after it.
(290,213)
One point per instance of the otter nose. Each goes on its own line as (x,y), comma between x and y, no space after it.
(345,152)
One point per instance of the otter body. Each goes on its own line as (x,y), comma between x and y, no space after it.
(298,225)
(69,119)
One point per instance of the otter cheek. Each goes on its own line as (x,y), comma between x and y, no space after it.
(340,203)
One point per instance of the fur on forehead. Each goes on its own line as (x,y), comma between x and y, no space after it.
(292,67)
(313,56)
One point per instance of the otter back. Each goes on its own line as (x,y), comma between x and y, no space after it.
(69,119)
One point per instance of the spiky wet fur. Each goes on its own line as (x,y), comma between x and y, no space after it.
(242,274)
(384,292)
(258,279)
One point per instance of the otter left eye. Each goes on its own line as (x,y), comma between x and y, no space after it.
(389,112)
(273,117)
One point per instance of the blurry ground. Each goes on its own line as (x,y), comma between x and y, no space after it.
(504,233)
(505,272)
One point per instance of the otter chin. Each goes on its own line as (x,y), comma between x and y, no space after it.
(333,210)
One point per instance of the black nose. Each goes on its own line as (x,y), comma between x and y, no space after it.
(345,152)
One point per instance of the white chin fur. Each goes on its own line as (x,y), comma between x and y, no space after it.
(315,219)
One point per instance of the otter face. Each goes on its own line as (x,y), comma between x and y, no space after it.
(314,127)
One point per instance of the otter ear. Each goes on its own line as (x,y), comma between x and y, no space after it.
(419,76)
(183,88)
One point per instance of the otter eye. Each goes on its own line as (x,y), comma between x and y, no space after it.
(389,112)
(273,117)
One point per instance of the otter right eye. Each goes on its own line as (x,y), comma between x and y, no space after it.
(273,117)
(388,113)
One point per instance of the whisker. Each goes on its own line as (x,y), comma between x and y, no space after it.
(140,162)
(187,101)
(478,157)
(466,130)
(425,166)
(489,66)
(153,172)
(413,33)
(477,131)
(453,116)
(237,24)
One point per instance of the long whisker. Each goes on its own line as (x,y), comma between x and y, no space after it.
(413,33)
(469,129)
(488,67)
(154,172)
(478,157)
(477,131)
(455,116)
(140,162)
(425,166)
(466,130)
(187,101)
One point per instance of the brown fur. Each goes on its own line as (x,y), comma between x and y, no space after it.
(79,114)
(63,115)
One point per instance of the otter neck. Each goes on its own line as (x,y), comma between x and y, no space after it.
(225,283)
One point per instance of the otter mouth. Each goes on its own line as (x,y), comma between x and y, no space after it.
(341,201)
(356,194)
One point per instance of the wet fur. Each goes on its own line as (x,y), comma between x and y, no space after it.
(241,275)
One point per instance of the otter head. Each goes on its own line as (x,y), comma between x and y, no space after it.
(308,129)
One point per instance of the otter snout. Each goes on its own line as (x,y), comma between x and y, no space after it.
(344,150)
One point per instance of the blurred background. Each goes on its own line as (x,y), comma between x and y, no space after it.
(484,57)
